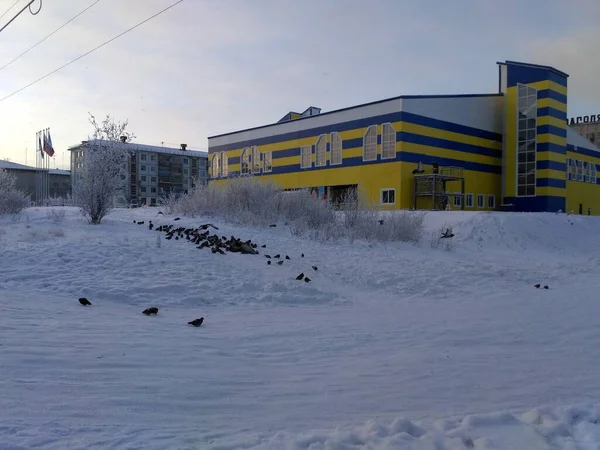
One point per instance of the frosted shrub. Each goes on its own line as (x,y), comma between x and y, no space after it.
(12,200)
(404,226)
(246,201)
(56,216)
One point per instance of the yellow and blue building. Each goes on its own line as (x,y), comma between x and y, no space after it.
(512,149)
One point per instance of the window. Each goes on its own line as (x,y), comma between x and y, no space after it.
(216,170)
(143,177)
(370,144)
(593,173)
(321,151)
(388,141)
(591,137)
(579,170)
(186,171)
(388,196)
(305,157)
(267,162)
(152,168)
(491,202)
(152,157)
(480,200)
(143,189)
(469,201)
(255,159)
(245,161)
(571,169)
(336,149)
(526,140)
(153,179)
(153,190)
(143,157)
(143,167)
(457,201)
(224,164)
(185,161)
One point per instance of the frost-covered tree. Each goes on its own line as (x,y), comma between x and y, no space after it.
(12,200)
(103,176)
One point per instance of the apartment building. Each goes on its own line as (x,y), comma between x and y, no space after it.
(152,171)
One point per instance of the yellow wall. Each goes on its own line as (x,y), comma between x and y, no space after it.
(587,194)
(373,177)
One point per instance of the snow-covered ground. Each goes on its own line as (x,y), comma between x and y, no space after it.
(390,346)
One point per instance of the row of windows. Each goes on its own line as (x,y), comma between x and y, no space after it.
(388,197)
(152,189)
(253,161)
(578,170)
(469,201)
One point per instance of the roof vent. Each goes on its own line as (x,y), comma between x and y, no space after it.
(123,139)
(183,147)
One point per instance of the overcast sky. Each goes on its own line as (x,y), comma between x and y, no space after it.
(211,66)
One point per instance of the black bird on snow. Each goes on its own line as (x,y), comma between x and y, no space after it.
(447,234)
(537,285)
(380,222)
(150,225)
(141,223)
(160,212)
(545,287)
(84,301)
(280,262)
(177,218)
(135,221)
(287,257)
(264,246)
(302,255)
(150,311)
(307,279)
(277,256)
(272,225)
(268,256)
(269,263)
(196,322)
(300,277)
(315,268)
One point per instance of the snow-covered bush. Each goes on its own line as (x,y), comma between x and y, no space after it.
(103,175)
(56,216)
(12,200)
(250,202)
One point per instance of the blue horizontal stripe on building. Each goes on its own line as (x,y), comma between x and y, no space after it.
(407,157)
(552,112)
(551,147)
(401,116)
(401,136)
(538,203)
(584,151)
(551,182)
(551,165)
(549,93)
(551,129)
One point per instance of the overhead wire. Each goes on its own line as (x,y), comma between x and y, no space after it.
(11,7)
(91,51)
(28,5)
(35,45)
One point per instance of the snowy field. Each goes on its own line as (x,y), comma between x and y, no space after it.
(394,346)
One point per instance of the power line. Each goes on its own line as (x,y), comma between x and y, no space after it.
(91,51)
(28,5)
(6,12)
(59,28)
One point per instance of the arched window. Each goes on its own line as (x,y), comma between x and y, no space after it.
(388,141)
(370,144)
(224,164)
(336,149)
(321,151)
(216,173)
(245,161)
(255,159)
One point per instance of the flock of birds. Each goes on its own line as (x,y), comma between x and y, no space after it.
(152,311)
(201,237)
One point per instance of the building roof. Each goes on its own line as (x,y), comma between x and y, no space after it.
(580,142)
(145,148)
(16,166)
(536,66)
(401,97)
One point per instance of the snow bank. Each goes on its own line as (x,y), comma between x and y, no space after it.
(393,345)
